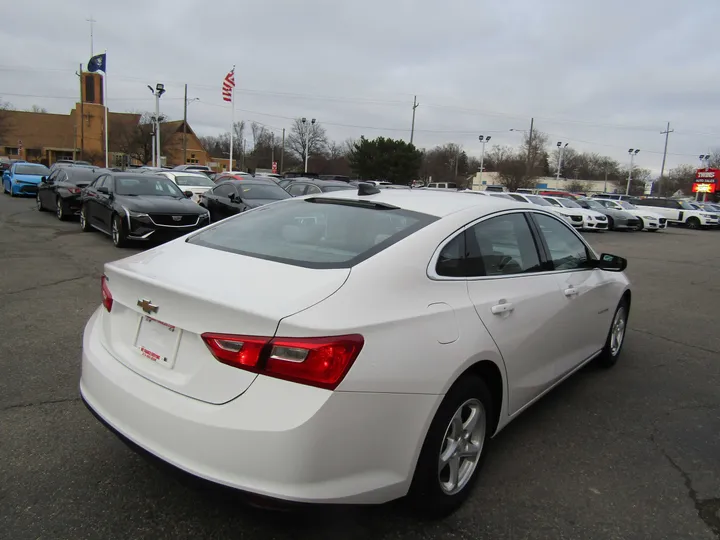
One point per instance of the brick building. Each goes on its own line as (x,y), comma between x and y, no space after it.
(45,138)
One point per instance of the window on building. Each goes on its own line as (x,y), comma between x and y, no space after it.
(11,151)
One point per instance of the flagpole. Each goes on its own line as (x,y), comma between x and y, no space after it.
(107,127)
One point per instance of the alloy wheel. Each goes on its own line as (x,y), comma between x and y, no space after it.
(38,202)
(115,232)
(617,331)
(59,211)
(640,226)
(462,446)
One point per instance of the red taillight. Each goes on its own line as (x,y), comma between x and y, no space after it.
(106,294)
(74,190)
(321,362)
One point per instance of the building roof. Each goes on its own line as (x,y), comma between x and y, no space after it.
(37,130)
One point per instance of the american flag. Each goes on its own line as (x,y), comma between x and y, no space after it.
(228,85)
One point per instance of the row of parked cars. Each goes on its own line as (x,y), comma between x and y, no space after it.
(157,204)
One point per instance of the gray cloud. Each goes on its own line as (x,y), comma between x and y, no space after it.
(605,76)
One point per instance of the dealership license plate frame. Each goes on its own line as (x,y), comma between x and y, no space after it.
(157,341)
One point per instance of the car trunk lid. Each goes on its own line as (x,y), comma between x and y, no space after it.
(166,298)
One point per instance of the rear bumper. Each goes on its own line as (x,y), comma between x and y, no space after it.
(278,439)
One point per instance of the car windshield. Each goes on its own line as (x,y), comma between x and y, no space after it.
(192,180)
(146,185)
(314,233)
(249,190)
(567,203)
(686,205)
(593,204)
(81,175)
(626,205)
(536,199)
(38,170)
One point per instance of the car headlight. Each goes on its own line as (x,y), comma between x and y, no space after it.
(137,214)
(206,215)
(649,217)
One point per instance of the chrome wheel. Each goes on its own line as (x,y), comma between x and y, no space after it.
(38,203)
(462,446)
(115,232)
(617,331)
(59,210)
(82,217)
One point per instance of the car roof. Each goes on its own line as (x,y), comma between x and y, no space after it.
(433,203)
(181,173)
(255,180)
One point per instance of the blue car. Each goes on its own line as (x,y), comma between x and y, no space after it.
(22,178)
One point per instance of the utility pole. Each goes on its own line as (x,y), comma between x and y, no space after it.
(272,149)
(282,153)
(185,128)
(530,141)
(412,129)
(667,133)
(82,116)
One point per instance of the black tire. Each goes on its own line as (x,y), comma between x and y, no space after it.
(611,352)
(611,223)
(39,203)
(426,494)
(118,234)
(84,224)
(10,192)
(640,226)
(60,209)
(693,223)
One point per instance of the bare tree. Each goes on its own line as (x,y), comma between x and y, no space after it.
(37,109)
(302,132)
(5,119)
(335,150)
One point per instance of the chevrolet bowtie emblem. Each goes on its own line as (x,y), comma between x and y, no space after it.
(147,306)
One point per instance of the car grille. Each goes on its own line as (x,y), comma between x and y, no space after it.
(662,221)
(171,221)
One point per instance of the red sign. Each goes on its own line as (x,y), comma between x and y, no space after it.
(707,176)
(274,167)
(703,187)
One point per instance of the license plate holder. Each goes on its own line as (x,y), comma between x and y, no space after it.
(158,341)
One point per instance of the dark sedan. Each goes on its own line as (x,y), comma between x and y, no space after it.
(311,186)
(130,206)
(61,190)
(235,196)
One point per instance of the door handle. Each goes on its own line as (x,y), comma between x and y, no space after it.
(504,307)
(572,291)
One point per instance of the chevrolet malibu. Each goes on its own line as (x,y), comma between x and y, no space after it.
(351,347)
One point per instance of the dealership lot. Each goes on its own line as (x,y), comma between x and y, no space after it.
(631,452)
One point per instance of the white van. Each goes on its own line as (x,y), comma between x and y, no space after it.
(443,185)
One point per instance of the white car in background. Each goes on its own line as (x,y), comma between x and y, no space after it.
(649,221)
(591,220)
(197,183)
(383,338)
(679,211)
(574,218)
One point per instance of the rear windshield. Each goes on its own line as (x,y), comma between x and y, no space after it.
(81,175)
(536,199)
(272,192)
(328,189)
(313,233)
(40,170)
(188,180)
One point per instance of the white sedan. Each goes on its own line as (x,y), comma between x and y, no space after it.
(196,183)
(354,347)
(591,220)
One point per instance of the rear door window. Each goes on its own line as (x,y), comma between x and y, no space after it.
(314,233)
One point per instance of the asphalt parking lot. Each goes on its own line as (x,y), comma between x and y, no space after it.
(633,452)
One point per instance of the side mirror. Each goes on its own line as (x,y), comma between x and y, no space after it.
(104,190)
(235,198)
(188,194)
(43,179)
(611,263)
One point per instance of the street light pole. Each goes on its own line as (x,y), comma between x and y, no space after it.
(483,140)
(158,91)
(633,152)
(307,140)
(561,149)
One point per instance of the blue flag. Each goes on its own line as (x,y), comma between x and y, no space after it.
(98,63)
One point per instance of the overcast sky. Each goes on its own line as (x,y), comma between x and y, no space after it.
(605,76)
